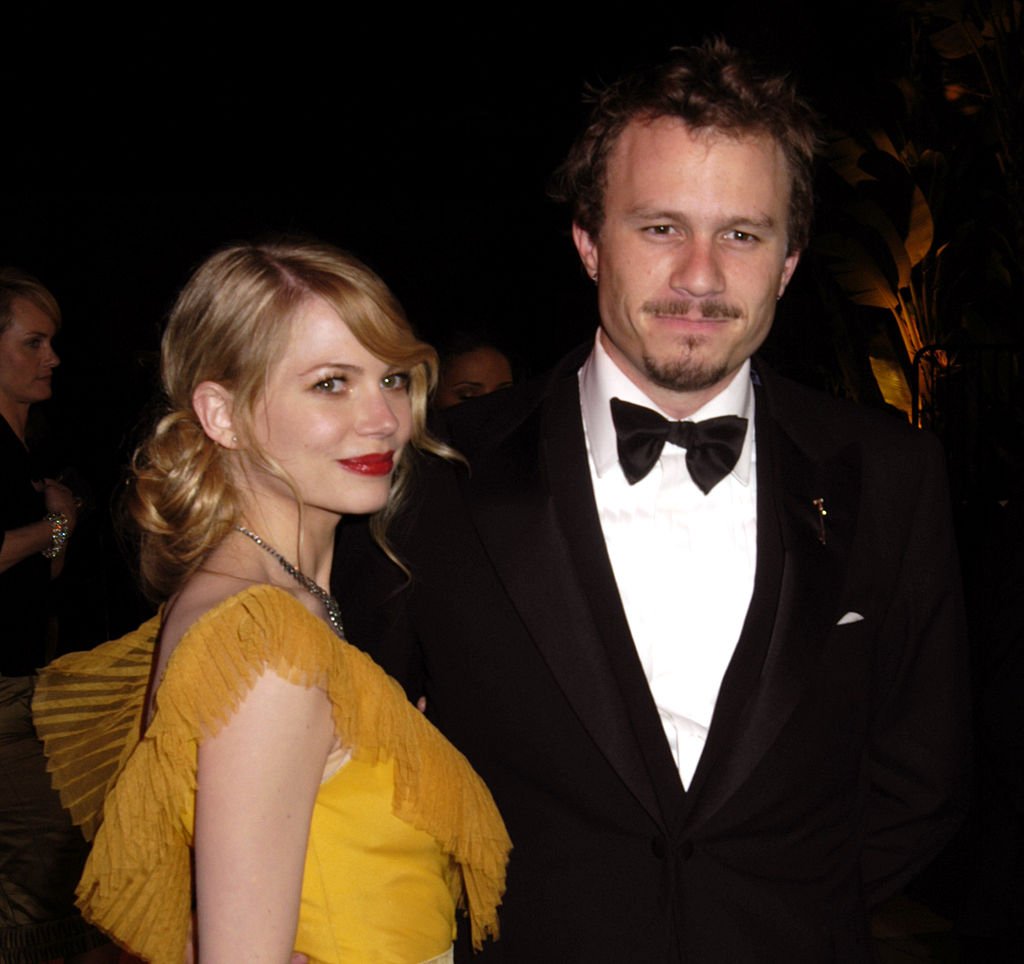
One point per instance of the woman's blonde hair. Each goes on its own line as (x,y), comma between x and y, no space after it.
(15,283)
(229,324)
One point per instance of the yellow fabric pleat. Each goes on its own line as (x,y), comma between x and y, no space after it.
(140,793)
(88,713)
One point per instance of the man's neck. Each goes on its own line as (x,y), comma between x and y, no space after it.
(675,404)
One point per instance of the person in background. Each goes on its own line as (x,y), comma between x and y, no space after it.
(471,366)
(37,515)
(41,852)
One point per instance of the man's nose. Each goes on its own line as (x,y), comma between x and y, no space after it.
(698,270)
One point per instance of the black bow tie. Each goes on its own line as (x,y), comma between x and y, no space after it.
(712,446)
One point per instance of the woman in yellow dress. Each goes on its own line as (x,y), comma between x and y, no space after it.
(239,764)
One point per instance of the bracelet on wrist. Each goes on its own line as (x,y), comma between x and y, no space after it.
(59,532)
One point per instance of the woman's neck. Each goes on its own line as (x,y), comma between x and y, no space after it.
(15,414)
(309,547)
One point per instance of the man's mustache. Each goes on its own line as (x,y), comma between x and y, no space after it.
(681,309)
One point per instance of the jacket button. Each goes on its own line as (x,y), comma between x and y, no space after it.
(658,847)
(686,849)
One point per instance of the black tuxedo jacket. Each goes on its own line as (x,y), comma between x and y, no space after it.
(834,759)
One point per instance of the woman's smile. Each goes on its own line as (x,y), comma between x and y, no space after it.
(373,463)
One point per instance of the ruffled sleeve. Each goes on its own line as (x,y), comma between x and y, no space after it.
(88,712)
(137,883)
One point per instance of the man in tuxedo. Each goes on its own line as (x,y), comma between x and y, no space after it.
(698,628)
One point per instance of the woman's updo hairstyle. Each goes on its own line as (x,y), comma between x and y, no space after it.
(229,325)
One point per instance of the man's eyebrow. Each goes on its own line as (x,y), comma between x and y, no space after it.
(640,213)
(654,214)
(763,221)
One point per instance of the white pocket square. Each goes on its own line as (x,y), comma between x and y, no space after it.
(850,617)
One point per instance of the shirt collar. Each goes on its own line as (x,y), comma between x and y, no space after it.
(601,380)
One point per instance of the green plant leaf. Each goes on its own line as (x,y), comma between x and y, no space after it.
(844,154)
(871,215)
(855,271)
(921,230)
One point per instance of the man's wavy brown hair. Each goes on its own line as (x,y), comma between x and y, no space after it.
(711,87)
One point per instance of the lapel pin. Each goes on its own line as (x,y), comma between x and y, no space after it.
(819,504)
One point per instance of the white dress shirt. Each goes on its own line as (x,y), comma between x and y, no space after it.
(684,562)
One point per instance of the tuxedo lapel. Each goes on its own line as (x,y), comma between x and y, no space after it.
(803,556)
(542,533)
(576,509)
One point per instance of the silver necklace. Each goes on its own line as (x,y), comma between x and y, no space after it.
(330,603)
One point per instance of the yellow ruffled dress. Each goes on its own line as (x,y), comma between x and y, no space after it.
(401,835)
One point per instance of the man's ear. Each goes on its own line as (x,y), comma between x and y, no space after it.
(213,405)
(788,267)
(587,248)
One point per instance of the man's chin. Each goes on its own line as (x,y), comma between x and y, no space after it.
(684,375)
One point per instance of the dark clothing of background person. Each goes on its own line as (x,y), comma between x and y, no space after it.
(41,852)
(833,765)
(24,587)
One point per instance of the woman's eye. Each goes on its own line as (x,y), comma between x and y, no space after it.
(331,385)
(396,381)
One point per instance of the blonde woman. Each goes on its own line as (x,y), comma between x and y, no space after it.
(282,784)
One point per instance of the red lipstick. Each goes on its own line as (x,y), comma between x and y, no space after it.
(373,463)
